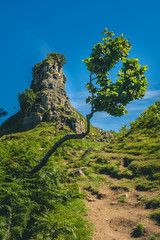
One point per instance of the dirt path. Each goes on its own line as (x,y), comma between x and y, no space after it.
(114,220)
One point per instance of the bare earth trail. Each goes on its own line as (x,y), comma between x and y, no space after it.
(114,220)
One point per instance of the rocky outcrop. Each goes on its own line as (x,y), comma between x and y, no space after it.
(52,103)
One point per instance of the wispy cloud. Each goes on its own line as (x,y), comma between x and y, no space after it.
(152,94)
(136,107)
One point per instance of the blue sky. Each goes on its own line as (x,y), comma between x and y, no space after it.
(31,29)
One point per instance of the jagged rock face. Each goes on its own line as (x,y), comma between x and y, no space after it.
(52,102)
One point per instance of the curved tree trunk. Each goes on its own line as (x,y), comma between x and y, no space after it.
(57,144)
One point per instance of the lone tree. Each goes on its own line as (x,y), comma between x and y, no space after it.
(105,95)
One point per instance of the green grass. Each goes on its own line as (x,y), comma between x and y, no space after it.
(150,203)
(48,204)
(155,215)
(122,198)
(145,168)
(143,138)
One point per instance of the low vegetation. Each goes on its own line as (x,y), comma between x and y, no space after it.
(155,215)
(32,206)
(139,230)
(143,138)
(156,236)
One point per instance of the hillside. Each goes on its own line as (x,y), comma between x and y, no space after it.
(123,181)
(103,187)
(144,134)
(50,204)
(143,140)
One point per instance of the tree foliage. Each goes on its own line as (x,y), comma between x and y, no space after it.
(131,82)
(26,99)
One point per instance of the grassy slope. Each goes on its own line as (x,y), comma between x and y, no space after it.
(144,135)
(49,204)
(131,159)
(143,140)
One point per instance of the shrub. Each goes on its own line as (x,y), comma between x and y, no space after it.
(143,199)
(144,186)
(111,168)
(153,203)
(127,160)
(156,176)
(156,236)
(153,237)
(155,215)
(146,167)
(102,159)
(26,99)
(139,230)
(122,198)
(126,174)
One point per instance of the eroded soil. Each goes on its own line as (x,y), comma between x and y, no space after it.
(114,220)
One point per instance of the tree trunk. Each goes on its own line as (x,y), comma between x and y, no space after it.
(58,144)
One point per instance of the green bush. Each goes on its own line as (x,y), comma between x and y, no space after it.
(143,199)
(156,236)
(127,160)
(122,198)
(145,167)
(126,174)
(153,203)
(101,159)
(153,237)
(112,169)
(139,230)
(144,185)
(156,176)
(155,215)
(26,99)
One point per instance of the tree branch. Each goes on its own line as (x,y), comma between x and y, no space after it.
(94,78)
(57,144)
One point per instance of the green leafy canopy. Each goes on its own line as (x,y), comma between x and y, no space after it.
(26,99)
(131,83)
